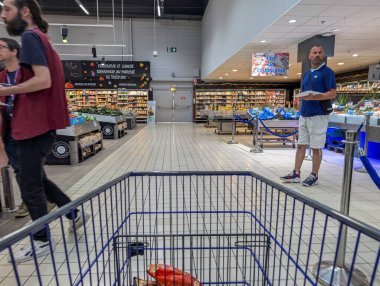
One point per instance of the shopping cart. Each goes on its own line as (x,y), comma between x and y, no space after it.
(224,228)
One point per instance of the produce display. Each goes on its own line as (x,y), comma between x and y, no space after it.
(90,139)
(79,118)
(368,104)
(100,111)
(281,113)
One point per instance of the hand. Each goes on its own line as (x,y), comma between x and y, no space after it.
(4,91)
(3,155)
(309,97)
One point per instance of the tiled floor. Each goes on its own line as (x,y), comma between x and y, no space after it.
(190,147)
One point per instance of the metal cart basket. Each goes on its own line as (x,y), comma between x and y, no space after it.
(224,228)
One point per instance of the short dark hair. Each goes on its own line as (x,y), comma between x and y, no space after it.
(12,45)
(35,11)
(317,46)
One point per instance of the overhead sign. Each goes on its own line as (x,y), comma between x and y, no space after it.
(171,49)
(270,64)
(108,75)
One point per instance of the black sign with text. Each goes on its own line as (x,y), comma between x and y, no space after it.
(108,75)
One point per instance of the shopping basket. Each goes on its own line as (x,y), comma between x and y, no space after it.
(223,228)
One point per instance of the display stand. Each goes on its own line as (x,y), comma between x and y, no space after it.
(113,127)
(256,148)
(131,121)
(308,157)
(282,125)
(224,124)
(76,143)
(233,141)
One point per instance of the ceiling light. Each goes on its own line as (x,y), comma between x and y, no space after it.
(234,70)
(355,55)
(64,33)
(90,55)
(290,65)
(92,45)
(227,74)
(1,3)
(93,50)
(299,73)
(340,64)
(263,41)
(292,21)
(220,77)
(335,30)
(160,7)
(327,34)
(82,7)
(285,77)
(103,61)
(329,58)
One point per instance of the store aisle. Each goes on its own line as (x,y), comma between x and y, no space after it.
(190,147)
(181,147)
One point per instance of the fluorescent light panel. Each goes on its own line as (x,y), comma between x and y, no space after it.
(90,45)
(160,8)
(90,55)
(82,7)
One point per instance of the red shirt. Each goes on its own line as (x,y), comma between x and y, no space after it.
(38,112)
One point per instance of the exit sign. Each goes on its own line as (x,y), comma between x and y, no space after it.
(171,49)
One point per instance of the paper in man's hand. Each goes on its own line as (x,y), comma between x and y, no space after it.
(307,93)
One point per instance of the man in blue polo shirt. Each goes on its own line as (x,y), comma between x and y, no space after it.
(314,116)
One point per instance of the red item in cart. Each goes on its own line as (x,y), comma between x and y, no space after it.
(167,275)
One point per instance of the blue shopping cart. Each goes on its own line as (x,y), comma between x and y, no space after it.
(223,228)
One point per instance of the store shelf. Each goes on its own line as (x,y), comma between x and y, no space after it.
(208,99)
(124,99)
(134,100)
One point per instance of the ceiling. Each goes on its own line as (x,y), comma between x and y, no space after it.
(173,9)
(356,25)
(359,33)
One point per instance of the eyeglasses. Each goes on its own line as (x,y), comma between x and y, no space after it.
(3,47)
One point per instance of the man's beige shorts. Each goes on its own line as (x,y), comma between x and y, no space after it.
(312,131)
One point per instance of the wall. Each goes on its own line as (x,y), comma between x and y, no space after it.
(138,36)
(228,26)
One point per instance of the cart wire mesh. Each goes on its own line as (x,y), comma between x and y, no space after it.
(224,228)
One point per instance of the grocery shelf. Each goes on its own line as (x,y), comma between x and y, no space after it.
(212,99)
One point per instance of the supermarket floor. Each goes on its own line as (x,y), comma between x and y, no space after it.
(192,147)
(184,147)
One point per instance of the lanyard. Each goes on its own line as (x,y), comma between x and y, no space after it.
(12,83)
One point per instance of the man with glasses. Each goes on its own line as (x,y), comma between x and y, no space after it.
(39,109)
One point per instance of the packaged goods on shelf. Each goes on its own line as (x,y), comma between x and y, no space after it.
(135,102)
(242,99)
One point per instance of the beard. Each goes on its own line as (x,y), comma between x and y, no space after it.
(16,26)
(317,61)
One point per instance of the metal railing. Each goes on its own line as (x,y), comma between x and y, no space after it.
(302,233)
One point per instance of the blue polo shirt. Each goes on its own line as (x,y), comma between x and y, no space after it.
(323,79)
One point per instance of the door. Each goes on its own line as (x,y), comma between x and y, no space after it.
(173,106)
(183,106)
(164,105)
